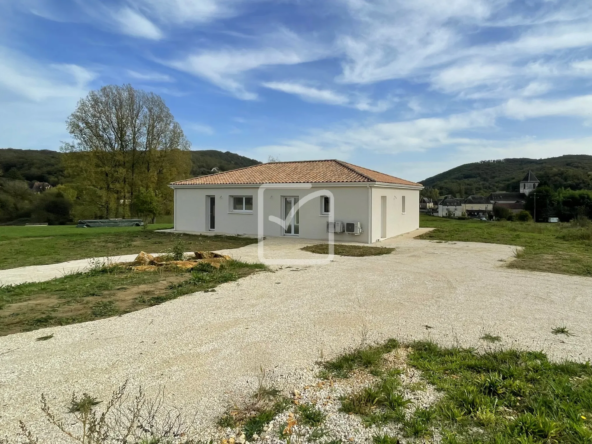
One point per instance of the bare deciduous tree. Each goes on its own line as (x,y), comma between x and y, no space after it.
(125,139)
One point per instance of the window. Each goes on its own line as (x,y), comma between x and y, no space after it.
(403,204)
(325,205)
(242,204)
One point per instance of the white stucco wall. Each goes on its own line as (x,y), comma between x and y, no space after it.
(397,221)
(454,211)
(351,205)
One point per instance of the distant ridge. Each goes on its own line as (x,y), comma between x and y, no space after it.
(569,171)
(46,165)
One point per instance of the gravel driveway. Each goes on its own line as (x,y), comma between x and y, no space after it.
(208,348)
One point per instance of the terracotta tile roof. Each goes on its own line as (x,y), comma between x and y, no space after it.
(313,171)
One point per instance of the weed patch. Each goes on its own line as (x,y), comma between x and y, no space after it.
(507,396)
(364,357)
(348,250)
(491,338)
(561,331)
(310,416)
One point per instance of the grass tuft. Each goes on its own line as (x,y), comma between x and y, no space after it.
(562,330)
(310,415)
(491,338)
(364,357)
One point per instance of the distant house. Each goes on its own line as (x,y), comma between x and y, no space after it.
(477,206)
(450,207)
(426,203)
(515,201)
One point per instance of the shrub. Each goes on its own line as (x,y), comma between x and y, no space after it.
(523,216)
(502,213)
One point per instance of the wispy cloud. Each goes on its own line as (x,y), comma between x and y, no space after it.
(37,99)
(188,11)
(226,68)
(200,128)
(329,97)
(308,93)
(150,76)
(133,23)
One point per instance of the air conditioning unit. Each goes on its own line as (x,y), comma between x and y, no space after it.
(353,228)
(335,227)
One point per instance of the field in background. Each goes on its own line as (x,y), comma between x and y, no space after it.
(551,248)
(23,246)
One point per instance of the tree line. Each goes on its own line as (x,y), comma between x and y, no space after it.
(126,148)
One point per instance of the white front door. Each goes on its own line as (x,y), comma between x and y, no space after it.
(291,225)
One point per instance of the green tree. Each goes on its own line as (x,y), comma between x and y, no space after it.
(502,213)
(125,139)
(543,200)
(147,205)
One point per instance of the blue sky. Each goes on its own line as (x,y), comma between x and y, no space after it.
(410,88)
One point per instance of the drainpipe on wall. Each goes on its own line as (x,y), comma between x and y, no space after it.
(369,215)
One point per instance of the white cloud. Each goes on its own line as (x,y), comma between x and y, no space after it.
(133,23)
(187,11)
(574,107)
(583,66)
(387,138)
(150,76)
(308,93)
(200,128)
(226,68)
(26,79)
(37,98)
(463,131)
(327,96)
(433,43)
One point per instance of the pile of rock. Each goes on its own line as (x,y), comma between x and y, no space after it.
(148,262)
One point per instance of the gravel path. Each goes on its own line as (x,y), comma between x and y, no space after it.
(208,348)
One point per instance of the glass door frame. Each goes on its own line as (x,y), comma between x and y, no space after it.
(295,221)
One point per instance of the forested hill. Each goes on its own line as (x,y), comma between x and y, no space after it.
(204,161)
(46,165)
(570,171)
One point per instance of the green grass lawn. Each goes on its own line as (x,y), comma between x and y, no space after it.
(103,292)
(497,396)
(553,248)
(22,246)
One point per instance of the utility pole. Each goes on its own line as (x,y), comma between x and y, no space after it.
(535,206)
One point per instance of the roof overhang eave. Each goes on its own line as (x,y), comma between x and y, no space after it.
(292,184)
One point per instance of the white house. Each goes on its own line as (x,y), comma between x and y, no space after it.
(450,207)
(367,205)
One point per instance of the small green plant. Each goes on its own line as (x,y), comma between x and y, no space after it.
(227,421)
(419,424)
(310,415)
(178,249)
(491,338)
(367,357)
(562,330)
